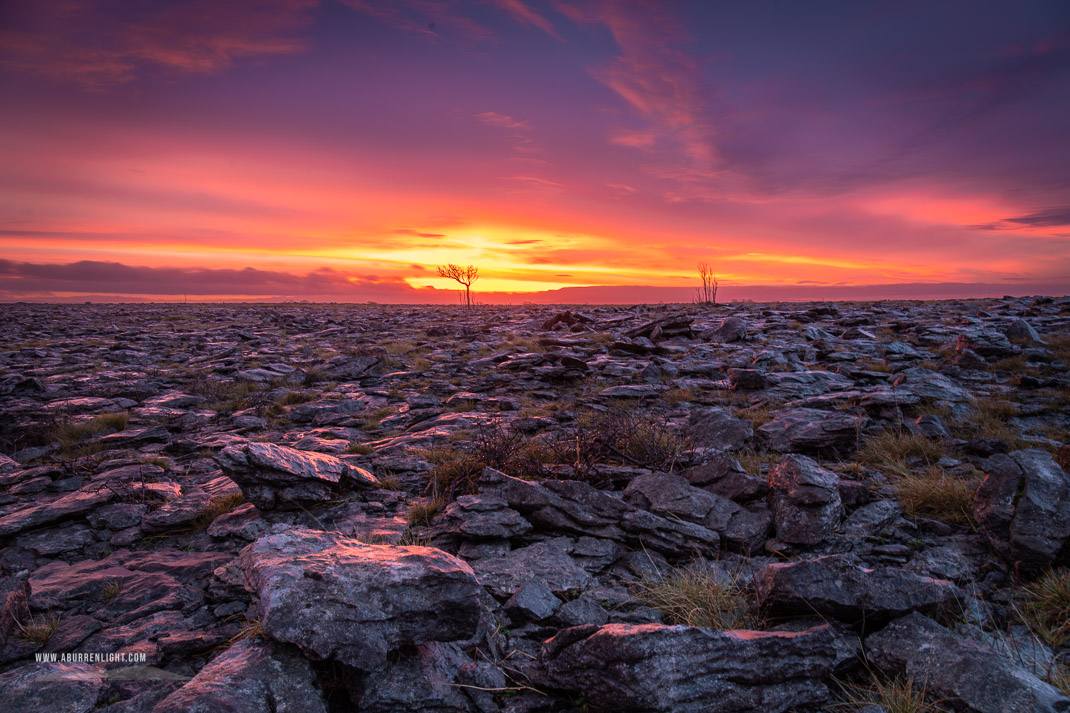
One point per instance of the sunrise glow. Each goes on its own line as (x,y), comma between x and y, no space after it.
(343,150)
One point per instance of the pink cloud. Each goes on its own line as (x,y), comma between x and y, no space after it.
(526,15)
(80,42)
(493,118)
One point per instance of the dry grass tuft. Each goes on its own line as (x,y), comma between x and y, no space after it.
(1045,607)
(389,482)
(217,507)
(894,696)
(421,513)
(360,449)
(37,631)
(937,493)
(699,599)
(1059,676)
(111,590)
(892,448)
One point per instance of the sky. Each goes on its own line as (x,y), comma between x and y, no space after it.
(572,150)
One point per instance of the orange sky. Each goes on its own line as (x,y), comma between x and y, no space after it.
(553,145)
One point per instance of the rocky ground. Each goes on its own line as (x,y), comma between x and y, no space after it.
(757,507)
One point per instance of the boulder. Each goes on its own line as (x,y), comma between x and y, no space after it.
(249,677)
(272,476)
(809,430)
(1023,506)
(716,427)
(427,681)
(726,477)
(1022,331)
(338,598)
(805,499)
(576,508)
(673,497)
(52,688)
(653,667)
(841,587)
(548,561)
(731,329)
(958,670)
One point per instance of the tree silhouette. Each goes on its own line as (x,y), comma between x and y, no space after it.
(709,283)
(464,275)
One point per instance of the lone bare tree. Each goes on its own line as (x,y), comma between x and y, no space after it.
(708,292)
(464,275)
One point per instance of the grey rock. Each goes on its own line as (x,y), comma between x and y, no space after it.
(807,430)
(51,688)
(577,508)
(426,682)
(72,505)
(747,379)
(672,496)
(841,587)
(931,425)
(339,598)
(959,670)
(534,601)
(1023,506)
(272,476)
(582,610)
(482,516)
(249,677)
(871,518)
(548,561)
(805,499)
(653,667)
(726,477)
(1021,330)
(716,427)
(932,385)
(634,391)
(731,329)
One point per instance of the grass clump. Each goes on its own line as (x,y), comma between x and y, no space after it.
(360,449)
(937,493)
(390,482)
(896,695)
(1045,607)
(421,513)
(111,590)
(37,631)
(892,449)
(70,435)
(217,507)
(696,598)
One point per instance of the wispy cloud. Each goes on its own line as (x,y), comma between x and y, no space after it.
(493,118)
(82,42)
(1048,218)
(90,276)
(527,15)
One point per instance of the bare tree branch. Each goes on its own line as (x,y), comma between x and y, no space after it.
(464,275)
(709,283)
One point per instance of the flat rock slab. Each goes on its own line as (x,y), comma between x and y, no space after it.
(577,508)
(841,587)
(955,668)
(1023,505)
(683,669)
(51,688)
(809,430)
(805,499)
(272,476)
(336,597)
(548,561)
(249,677)
(72,505)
